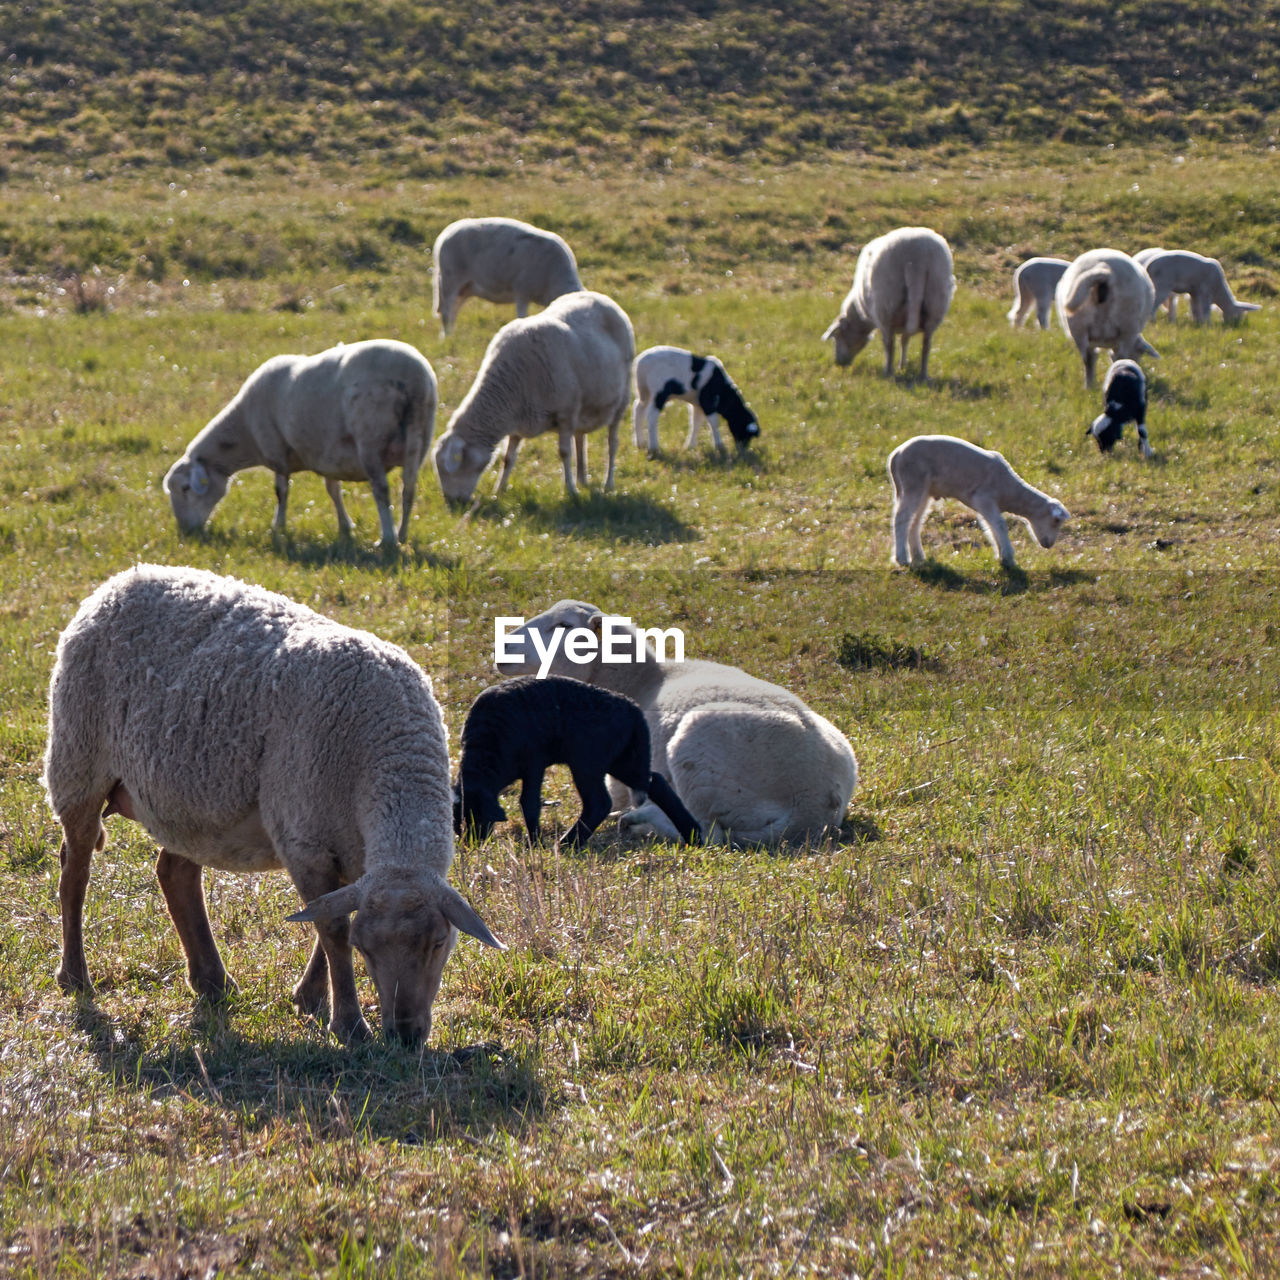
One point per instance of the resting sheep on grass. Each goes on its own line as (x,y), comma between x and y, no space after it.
(902,283)
(751,762)
(1175,271)
(1124,395)
(517,729)
(247,733)
(350,413)
(930,467)
(567,370)
(1104,298)
(1033,285)
(501,260)
(663,374)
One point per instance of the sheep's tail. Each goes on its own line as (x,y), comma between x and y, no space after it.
(1090,286)
(660,792)
(917,288)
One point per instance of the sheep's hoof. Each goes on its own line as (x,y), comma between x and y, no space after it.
(74,983)
(356,1033)
(214,990)
(311,1002)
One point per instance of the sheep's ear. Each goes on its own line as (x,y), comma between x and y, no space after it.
(596,622)
(455,909)
(1146,347)
(451,453)
(341,902)
(831,329)
(199,478)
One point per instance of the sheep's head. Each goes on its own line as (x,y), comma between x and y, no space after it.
(194,490)
(1047,526)
(478,812)
(406,929)
(851,334)
(459,465)
(564,615)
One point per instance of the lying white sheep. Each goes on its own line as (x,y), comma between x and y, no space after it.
(1175,271)
(902,283)
(567,370)
(1104,298)
(1033,285)
(247,733)
(350,413)
(749,760)
(501,260)
(663,374)
(925,468)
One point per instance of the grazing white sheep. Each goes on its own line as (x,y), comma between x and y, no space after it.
(925,468)
(353,412)
(748,759)
(902,283)
(1175,271)
(663,374)
(500,260)
(567,370)
(248,733)
(1104,298)
(1124,397)
(1033,285)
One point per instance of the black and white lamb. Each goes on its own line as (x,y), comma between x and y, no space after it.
(517,729)
(664,374)
(1124,397)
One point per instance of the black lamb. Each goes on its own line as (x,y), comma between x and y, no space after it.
(1124,396)
(516,729)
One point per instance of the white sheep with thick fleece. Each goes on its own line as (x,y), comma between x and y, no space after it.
(903,283)
(352,412)
(501,260)
(1104,299)
(1033,285)
(567,370)
(749,760)
(1175,271)
(248,733)
(926,468)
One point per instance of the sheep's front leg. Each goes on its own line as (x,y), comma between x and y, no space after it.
(522,308)
(1143,443)
(312,992)
(992,520)
(531,804)
(695,427)
(82,833)
(183,889)
(307,865)
(334,490)
(282,501)
(508,463)
(595,804)
(713,421)
(377,474)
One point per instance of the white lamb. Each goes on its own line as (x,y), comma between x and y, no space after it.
(663,374)
(567,370)
(1104,298)
(247,733)
(350,413)
(1175,271)
(902,283)
(1033,285)
(926,468)
(501,260)
(749,760)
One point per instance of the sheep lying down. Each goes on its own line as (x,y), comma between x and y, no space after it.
(247,733)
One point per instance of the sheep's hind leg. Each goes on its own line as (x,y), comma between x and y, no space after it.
(82,833)
(887,339)
(916,527)
(566,462)
(926,340)
(580,449)
(377,474)
(531,804)
(903,515)
(183,889)
(282,502)
(334,490)
(595,805)
(613,450)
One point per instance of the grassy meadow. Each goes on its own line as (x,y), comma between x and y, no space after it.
(1019,1018)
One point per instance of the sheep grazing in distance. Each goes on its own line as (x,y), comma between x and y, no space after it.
(1033,285)
(353,412)
(1124,395)
(517,729)
(663,374)
(1104,299)
(247,733)
(750,761)
(902,284)
(1175,271)
(567,370)
(926,468)
(501,260)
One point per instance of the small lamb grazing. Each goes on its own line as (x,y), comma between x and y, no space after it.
(517,729)
(1124,395)
(1104,298)
(1033,285)
(500,260)
(350,413)
(663,374)
(567,370)
(247,733)
(752,763)
(928,467)
(902,283)
(1175,271)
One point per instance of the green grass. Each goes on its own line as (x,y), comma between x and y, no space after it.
(1019,1018)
